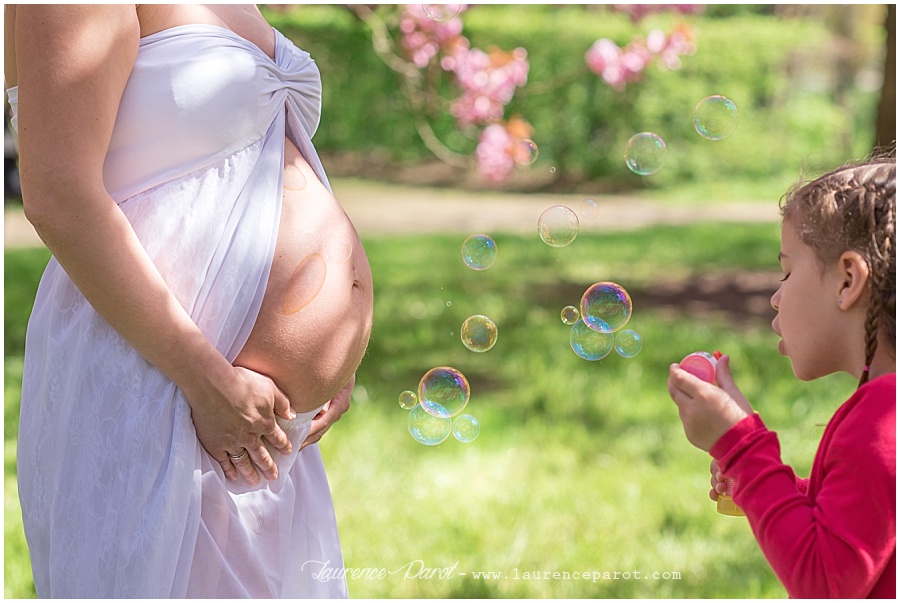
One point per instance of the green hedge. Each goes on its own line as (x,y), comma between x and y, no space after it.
(581,127)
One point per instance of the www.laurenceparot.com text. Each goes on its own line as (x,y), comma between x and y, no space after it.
(324,571)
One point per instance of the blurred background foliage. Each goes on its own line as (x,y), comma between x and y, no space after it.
(806,79)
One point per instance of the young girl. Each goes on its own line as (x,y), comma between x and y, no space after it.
(833,534)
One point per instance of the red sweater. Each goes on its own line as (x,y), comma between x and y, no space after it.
(833,535)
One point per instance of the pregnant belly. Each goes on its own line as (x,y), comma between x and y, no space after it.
(316,316)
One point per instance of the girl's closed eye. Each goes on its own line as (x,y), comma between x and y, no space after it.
(785,277)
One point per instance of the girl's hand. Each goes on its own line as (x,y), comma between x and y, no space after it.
(329,415)
(717,481)
(707,411)
(236,420)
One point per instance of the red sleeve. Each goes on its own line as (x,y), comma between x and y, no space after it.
(838,543)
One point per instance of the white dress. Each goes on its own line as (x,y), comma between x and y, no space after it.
(118,497)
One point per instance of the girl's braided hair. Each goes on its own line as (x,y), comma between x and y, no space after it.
(853,208)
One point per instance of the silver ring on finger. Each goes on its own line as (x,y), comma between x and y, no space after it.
(238,457)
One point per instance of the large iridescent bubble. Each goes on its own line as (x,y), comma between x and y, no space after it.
(605,306)
(443,391)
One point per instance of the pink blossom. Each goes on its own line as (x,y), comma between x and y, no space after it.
(494,153)
(422,37)
(488,81)
(620,66)
(639,11)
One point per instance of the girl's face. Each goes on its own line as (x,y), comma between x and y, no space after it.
(808,320)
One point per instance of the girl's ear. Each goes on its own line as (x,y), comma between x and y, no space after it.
(854,273)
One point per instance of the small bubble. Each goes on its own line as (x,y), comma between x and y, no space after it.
(558,226)
(628,343)
(525,152)
(466,428)
(569,315)
(427,428)
(715,117)
(588,343)
(478,333)
(479,252)
(441,12)
(590,208)
(645,153)
(408,400)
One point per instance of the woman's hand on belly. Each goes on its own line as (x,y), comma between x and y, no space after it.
(236,417)
(328,416)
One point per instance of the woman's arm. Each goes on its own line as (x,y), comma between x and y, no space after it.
(72,63)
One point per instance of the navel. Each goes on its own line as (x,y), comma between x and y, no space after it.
(305,284)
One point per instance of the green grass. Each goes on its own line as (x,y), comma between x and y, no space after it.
(580,466)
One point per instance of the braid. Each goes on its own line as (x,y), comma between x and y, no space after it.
(854,208)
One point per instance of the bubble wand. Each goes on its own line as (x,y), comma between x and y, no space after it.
(703,366)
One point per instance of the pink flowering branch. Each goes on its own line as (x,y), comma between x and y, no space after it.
(429,50)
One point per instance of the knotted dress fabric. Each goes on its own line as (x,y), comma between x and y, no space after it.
(119,499)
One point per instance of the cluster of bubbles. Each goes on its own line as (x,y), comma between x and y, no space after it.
(714,118)
(436,410)
(597,323)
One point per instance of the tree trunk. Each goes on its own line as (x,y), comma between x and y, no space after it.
(886,123)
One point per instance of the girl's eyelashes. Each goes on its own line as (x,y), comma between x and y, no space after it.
(785,277)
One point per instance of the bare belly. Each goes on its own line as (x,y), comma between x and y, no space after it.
(316,315)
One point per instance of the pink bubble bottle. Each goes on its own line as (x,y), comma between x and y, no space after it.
(703,366)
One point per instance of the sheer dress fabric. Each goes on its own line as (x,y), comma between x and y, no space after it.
(118,497)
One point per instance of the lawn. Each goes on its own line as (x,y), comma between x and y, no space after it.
(580,466)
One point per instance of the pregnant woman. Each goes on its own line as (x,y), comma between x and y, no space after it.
(206,306)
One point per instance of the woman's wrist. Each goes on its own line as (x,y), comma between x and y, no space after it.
(201,372)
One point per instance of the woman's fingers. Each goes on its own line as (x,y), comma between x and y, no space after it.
(244,466)
(278,439)
(263,460)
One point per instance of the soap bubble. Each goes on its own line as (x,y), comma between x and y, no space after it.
(606,306)
(408,400)
(628,343)
(443,391)
(645,153)
(525,152)
(479,252)
(466,428)
(427,428)
(558,226)
(715,117)
(590,208)
(440,12)
(478,333)
(588,343)
(569,315)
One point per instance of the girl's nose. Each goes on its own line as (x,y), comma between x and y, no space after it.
(776,299)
